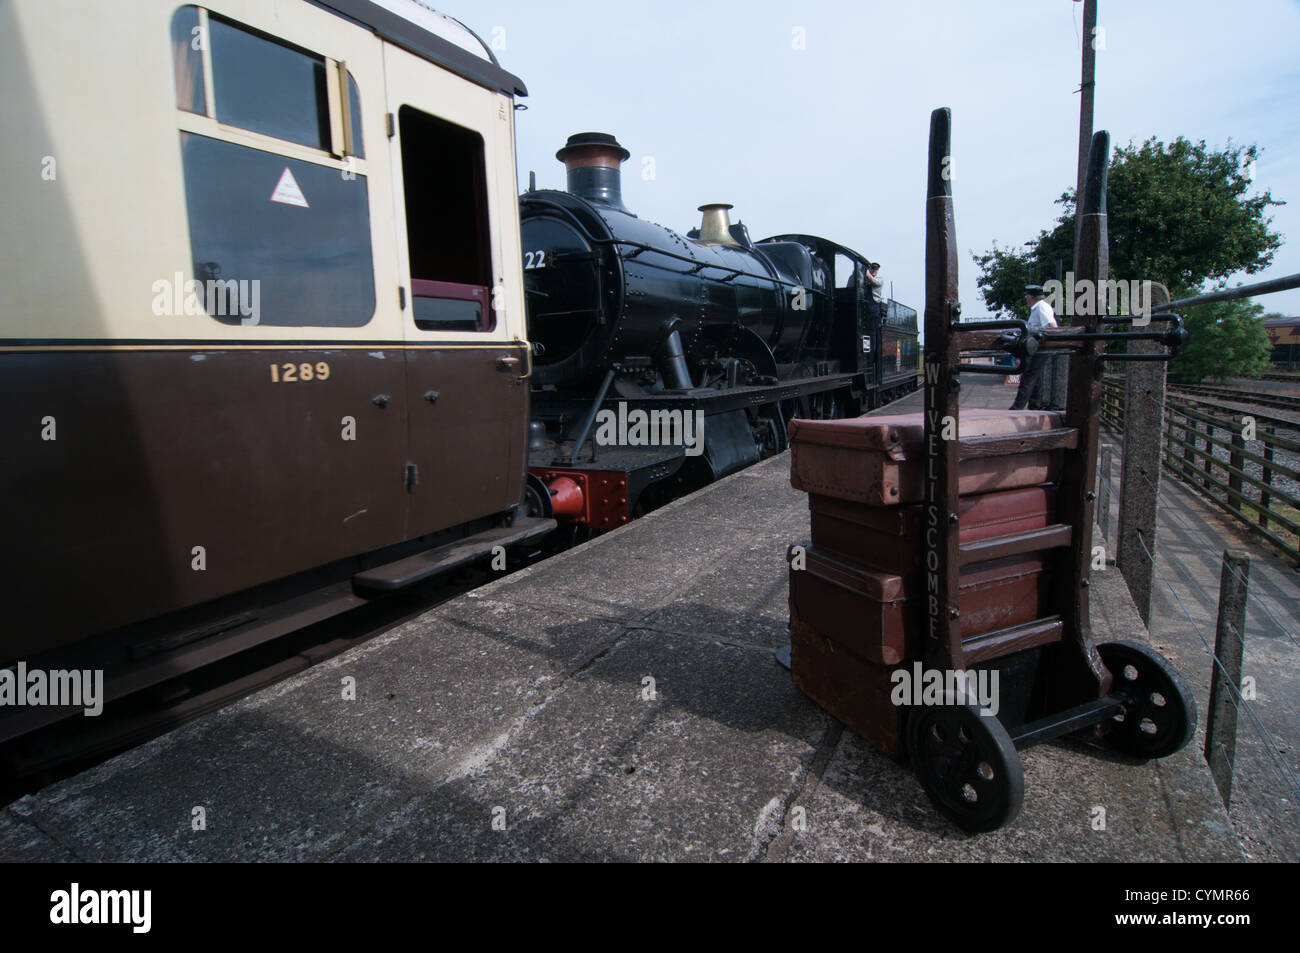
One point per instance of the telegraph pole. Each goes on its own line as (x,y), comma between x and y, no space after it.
(1087,84)
(1086,87)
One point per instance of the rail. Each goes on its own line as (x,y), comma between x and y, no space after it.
(1242,479)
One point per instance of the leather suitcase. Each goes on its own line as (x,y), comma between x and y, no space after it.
(879,460)
(854,691)
(888,538)
(879,616)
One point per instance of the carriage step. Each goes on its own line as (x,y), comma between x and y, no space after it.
(1003,445)
(434,562)
(1000,642)
(1066,722)
(1029,541)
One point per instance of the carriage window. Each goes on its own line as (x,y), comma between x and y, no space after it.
(445,182)
(259,84)
(187,55)
(293,236)
(267,87)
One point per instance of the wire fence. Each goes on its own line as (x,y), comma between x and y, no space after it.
(1238,645)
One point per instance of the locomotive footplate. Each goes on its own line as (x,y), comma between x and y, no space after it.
(603,493)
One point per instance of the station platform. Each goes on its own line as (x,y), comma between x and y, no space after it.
(619,701)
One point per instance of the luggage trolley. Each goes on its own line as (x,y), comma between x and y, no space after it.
(1053,678)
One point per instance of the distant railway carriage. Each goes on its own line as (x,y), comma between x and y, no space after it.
(1284,336)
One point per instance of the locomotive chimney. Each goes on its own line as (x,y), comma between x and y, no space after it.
(592,160)
(715,227)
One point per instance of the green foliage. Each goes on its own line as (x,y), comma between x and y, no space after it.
(1003,276)
(1225,339)
(1178,214)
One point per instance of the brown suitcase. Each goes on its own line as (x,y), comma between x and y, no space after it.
(888,538)
(854,691)
(879,616)
(878,460)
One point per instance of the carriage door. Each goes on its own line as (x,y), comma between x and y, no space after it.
(464,371)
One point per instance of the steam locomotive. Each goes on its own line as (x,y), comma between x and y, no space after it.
(710,337)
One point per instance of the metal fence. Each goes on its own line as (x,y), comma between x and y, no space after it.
(1247,464)
(1236,644)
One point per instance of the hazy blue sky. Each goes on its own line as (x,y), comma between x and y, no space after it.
(831,139)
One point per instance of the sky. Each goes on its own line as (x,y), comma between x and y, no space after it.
(813,117)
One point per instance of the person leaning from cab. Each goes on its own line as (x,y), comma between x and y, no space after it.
(1041,318)
(875,303)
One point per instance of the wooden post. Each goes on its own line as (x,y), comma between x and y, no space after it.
(1073,666)
(1103,493)
(1190,430)
(1225,679)
(1209,454)
(943,623)
(1139,485)
(1235,459)
(1266,477)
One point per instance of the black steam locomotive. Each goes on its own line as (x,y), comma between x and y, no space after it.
(663,362)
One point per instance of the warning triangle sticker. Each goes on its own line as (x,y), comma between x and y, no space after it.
(287,191)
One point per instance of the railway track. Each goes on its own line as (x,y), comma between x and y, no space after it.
(1238,396)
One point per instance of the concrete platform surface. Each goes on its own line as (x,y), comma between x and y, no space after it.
(617,702)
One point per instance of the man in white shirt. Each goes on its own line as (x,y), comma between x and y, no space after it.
(1041,318)
(875,284)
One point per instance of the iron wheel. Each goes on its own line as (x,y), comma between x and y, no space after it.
(967,765)
(1159,714)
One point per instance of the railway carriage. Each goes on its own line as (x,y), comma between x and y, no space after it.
(262,338)
(265,351)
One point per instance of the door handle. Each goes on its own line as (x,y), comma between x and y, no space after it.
(507,363)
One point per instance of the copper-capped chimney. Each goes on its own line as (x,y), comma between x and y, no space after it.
(592,161)
(715,226)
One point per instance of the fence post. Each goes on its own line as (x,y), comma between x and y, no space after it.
(1225,679)
(1209,454)
(1266,478)
(1139,485)
(1235,459)
(1189,449)
(1103,493)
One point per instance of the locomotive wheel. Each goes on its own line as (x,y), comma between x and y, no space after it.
(967,764)
(537,498)
(1159,714)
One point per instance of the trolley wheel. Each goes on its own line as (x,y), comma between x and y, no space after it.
(967,764)
(1159,714)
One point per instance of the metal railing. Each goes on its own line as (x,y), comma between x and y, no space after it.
(1242,477)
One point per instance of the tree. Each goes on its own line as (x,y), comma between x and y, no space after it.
(1225,339)
(1178,214)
